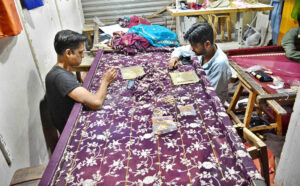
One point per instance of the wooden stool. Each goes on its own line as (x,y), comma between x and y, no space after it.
(28,176)
(214,20)
(258,150)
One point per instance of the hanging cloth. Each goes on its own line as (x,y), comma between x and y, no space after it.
(275,17)
(10,24)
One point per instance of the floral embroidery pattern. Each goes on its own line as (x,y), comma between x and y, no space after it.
(116,146)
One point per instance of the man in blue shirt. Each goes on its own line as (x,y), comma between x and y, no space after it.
(213,60)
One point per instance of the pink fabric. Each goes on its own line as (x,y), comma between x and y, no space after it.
(131,38)
(276,62)
(128,43)
(134,20)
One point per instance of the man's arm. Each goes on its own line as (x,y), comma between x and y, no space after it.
(94,101)
(288,44)
(179,51)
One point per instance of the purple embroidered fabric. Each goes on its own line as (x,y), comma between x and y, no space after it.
(116,146)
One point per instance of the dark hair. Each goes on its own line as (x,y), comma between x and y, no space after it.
(67,39)
(200,33)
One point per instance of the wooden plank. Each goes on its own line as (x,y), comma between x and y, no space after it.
(249,109)
(253,151)
(28,174)
(259,151)
(173,12)
(264,162)
(234,117)
(235,97)
(279,124)
(264,127)
(262,98)
(253,138)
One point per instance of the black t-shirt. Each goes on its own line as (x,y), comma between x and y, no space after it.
(59,83)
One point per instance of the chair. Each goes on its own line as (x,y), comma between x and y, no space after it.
(28,176)
(50,132)
(258,150)
(215,19)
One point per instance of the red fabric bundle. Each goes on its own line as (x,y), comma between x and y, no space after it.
(134,20)
(194,6)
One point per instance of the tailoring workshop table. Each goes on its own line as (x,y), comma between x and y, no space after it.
(179,14)
(274,59)
(116,146)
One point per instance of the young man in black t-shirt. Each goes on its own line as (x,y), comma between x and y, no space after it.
(62,87)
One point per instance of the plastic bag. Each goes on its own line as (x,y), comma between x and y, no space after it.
(255,68)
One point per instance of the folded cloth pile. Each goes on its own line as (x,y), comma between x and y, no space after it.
(150,84)
(129,43)
(133,21)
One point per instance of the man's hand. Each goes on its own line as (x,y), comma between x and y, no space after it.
(109,76)
(173,63)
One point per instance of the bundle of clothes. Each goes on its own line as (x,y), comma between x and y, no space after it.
(150,84)
(141,35)
(129,43)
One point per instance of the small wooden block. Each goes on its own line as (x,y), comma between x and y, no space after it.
(28,176)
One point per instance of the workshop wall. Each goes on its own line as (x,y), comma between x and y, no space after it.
(25,60)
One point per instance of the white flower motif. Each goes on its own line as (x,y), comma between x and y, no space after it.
(69,155)
(171,143)
(208,165)
(198,146)
(232,171)
(91,161)
(194,125)
(117,164)
(88,182)
(101,137)
(222,114)
(147,136)
(149,179)
(241,153)
(169,166)
(145,153)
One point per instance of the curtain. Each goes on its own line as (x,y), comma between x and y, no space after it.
(287,21)
(10,24)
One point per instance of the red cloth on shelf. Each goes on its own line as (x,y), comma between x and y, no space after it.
(134,20)
(194,6)
(10,24)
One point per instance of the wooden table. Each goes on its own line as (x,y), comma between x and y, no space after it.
(89,30)
(116,145)
(179,14)
(260,93)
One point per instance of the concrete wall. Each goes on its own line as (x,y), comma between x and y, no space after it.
(25,60)
(288,171)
